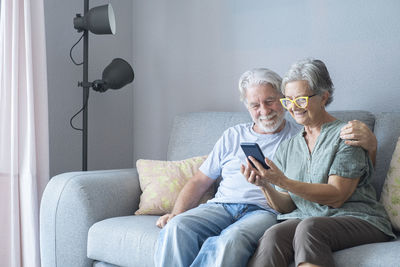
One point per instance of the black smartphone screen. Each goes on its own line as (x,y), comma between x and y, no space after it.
(252,149)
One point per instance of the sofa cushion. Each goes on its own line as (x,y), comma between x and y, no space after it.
(103,264)
(390,197)
(161,182)
(369,255)
(196,133)
(124,241)
(387,131)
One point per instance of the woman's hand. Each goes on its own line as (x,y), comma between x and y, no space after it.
(260,176)
(252,175)
(280,201)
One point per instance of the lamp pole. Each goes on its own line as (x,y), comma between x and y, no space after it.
(98,20)
(86,88)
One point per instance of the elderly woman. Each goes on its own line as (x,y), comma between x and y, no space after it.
(323,192)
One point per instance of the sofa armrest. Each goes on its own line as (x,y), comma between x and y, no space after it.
(73,202)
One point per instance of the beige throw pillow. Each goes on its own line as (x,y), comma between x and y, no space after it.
(390,196)
(161,182)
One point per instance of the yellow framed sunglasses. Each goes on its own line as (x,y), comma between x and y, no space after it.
(301,101)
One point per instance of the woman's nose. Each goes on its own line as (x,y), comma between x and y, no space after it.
(294,107)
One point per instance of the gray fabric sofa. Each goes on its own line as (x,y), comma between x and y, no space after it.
(86,218)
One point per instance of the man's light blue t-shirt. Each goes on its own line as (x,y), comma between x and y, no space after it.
(227,156)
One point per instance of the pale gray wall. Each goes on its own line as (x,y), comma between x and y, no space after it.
(190,54)
(110,113)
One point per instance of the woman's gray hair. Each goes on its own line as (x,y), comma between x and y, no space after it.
(315,73)
(258,76)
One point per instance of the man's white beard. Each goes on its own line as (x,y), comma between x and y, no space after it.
(270,126)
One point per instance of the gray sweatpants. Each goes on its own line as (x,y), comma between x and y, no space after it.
(312,240)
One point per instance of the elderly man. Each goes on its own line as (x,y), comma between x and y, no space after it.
(225,230)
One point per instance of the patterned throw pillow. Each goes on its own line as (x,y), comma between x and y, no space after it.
(161,182)
(391,189)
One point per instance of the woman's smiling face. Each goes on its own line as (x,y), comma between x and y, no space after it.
(310,114)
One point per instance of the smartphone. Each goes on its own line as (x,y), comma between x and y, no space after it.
(252,149)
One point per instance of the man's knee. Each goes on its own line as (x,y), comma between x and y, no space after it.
(234,238)
(177,223)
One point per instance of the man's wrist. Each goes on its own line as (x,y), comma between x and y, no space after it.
(373,146)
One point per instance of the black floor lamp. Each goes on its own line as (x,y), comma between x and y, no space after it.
(98,20)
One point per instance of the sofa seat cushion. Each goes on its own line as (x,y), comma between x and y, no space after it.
(103,264)
(369,255)
(124,241)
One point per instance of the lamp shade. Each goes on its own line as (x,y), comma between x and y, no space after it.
(115,76)
(99,20)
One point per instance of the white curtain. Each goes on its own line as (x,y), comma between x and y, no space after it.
(24,156)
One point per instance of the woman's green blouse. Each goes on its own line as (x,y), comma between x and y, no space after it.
(331,156)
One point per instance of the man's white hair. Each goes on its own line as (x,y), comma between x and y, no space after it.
(258,76)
